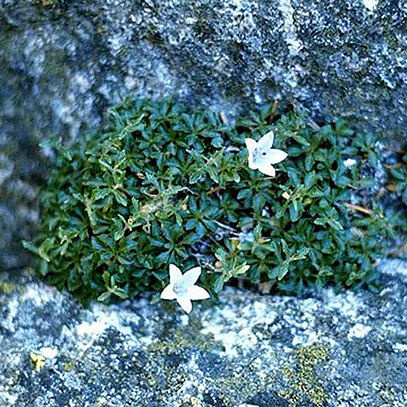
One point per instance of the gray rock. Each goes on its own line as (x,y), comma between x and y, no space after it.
(330,349)
(62,63)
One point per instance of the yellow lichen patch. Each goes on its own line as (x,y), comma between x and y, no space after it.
(303,382)
(37,360)
(185,337)
(7,288)
(194,402)
(69,366)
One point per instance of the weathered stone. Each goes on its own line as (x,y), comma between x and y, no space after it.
(329,349)
(62,63)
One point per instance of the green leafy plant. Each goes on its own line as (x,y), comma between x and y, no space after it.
(163,185)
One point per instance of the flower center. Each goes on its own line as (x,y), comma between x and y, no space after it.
(180,289)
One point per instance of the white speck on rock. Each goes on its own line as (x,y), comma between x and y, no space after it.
(358,331)
(104,318)
(91,328)
(305,339)
(184,319)
(11,399)
(370,4)
(400,347)
(49,353)
(348,304)
(393,267)
(230,326)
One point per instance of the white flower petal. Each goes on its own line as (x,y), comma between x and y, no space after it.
(251,146)
(266,142)
(175,274)
(185,304)
(191,276)
(252,165)
(197,293)
(276,156)
(168,293)
(268,169)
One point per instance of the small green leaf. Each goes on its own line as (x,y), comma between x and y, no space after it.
(300,140)
(310,179)
(218,284)
(104,297)
(29,246)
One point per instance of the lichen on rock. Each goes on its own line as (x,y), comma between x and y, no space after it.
(283,349)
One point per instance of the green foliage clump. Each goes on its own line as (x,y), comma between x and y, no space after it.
(163,185)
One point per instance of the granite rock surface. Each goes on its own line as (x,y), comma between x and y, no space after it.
(341,350)
(63,62)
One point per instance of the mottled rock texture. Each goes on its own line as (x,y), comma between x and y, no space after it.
(340,350)
(63,62)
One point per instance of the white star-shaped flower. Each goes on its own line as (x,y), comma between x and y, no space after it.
(262,155)
(183,289)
